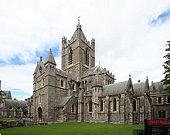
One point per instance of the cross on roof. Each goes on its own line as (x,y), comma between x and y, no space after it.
(79,20)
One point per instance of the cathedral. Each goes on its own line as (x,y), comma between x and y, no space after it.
(82,92)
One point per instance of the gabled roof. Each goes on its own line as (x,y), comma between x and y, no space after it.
(63,101)
(94,70)
(64,74)
(139,88)
(50,58)
(115,89)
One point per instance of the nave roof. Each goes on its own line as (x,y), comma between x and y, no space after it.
(115,89)
(63,101)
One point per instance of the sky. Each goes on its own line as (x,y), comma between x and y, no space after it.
(130,35)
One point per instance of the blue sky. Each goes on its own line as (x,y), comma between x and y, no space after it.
(162,18)
(130,37)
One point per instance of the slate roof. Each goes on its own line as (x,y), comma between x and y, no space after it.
(64,73)
(94,70)
(114,89)
(63,101)
(16,103)
(139,88)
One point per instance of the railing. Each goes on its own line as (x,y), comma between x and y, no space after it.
(138,132)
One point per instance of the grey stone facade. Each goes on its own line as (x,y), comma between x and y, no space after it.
(84,92)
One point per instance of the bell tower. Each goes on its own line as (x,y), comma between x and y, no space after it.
(78,54)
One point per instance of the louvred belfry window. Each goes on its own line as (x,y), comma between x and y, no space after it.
(70,56)
(87,57)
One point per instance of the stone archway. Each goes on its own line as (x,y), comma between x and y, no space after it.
(40,113)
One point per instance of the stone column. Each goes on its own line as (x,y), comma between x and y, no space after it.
(106,109)
(81,106)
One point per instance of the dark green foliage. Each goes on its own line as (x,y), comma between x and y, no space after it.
(73,129)
(166,65)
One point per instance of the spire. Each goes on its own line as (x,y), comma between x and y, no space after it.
(78,34)
(50,58)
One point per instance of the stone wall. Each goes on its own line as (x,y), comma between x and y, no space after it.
(15,123)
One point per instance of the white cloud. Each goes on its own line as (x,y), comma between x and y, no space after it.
(125,41)
(17,77)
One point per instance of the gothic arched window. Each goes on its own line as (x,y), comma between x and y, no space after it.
(87,57)
(134,105)
(101,105)
(162,114)
(70,56)
(114,104)
(73,108)
(40,113)
(90,106)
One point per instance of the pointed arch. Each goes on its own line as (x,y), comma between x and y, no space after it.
(73,108)
(114,104)
(134,105)
(70,56)
(101,105)
(40,113)
(90,106)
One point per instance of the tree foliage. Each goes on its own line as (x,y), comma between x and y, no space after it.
(166,65)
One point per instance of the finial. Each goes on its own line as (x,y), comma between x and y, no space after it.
(146,77)
(41,58)
(129,76)
(79,20)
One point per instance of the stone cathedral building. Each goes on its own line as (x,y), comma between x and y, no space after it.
(84,92)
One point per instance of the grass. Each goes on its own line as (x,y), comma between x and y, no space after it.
(73,129)
(8,119)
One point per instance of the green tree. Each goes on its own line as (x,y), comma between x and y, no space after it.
(166,65)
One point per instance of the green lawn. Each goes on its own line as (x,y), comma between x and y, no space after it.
(8,119)
(73,129)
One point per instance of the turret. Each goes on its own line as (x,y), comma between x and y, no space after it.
(64,44)
(93,44)
(50,59)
